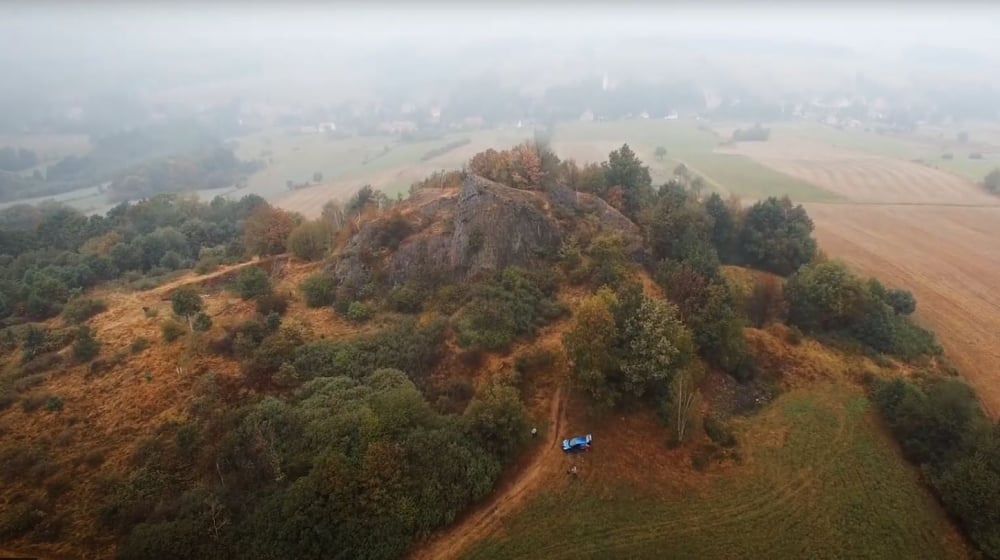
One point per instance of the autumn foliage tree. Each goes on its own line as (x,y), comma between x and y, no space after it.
(267,229)
(519,167)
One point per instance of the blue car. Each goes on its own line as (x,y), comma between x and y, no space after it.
(577,444)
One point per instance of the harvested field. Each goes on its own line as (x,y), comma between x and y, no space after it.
(863,177)
(948,257)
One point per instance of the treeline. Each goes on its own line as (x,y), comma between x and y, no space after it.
(215,169)
(756,133)
(940,427)
(17,159)
(51,253)
(178,156)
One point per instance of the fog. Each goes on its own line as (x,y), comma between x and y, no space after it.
(137,82)
(66,51)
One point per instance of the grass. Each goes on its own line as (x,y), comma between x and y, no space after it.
(916,147)
(819,481)
(693,145)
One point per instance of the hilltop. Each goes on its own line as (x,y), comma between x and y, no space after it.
(372,391)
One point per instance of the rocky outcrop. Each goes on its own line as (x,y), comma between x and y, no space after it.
(485,227)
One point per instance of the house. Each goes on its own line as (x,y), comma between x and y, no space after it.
(671,116)
(327,127)
(397,127)
(587,116)
(644,115)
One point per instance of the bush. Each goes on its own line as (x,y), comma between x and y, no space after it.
(975,155)
(19,519)
(202,322)
(511,304)
(252,282)
(139,344)
(272,303)
(318,290)
(405,299)
(359,312)
(172,330)
(53,403)
(718,432)
(86,347)
(311,240)
(80,309)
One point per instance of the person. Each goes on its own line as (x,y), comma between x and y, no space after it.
(572,470)
(534,432)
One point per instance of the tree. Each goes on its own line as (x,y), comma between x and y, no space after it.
(660,153)
(497,419)
(777,236)
(824,296)
(656,346)
(311,240)
(317,177)
(590,346)
(186,302)
(901,301)
(725,233)
(624,169)
(267,229)
(683,399)
(992,181)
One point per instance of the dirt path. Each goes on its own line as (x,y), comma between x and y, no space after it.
(483,520)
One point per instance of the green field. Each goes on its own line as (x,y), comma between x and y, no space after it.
(820,481)
(694,145)
(926,149)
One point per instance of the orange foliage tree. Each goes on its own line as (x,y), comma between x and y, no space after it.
(266,230)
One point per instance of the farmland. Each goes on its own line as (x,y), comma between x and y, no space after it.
(911,225)
(383,162)
(948,257)
(818,480)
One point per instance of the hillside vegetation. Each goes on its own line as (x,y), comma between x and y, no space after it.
(350,407)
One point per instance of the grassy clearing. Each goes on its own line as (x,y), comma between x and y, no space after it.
(819,480)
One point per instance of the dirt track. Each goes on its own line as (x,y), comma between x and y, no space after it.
(484,519)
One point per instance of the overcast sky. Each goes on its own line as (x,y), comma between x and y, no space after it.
(969,25)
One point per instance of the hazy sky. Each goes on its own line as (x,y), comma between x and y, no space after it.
(854,23)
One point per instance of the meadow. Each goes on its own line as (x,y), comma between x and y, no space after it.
(818,479)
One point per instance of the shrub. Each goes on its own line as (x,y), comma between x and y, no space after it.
(311,240)
(86,347)
(139,344)
(272,303)
(80,309)
(718,432)
(172,330)
(202,322)
(19,519)
(405,299)
(31,403)
(975,155)
(206,265)
(318,290)
(359,312)
(252,282)
(53,403)
(511,304)
(947,155)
